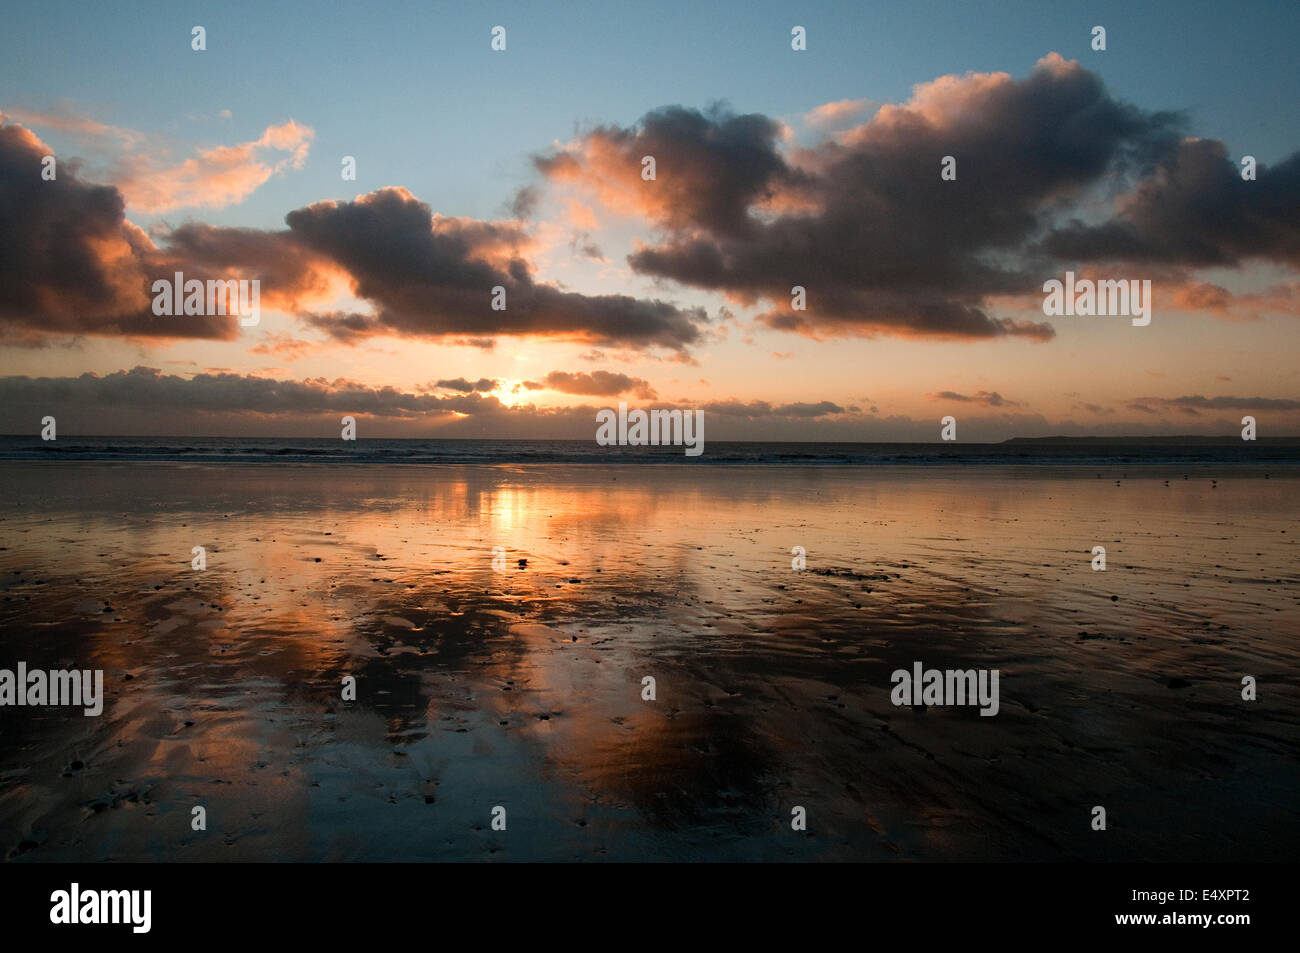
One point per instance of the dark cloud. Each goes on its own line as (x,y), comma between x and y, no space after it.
(345,326)
(287,269)
(524,203)
(146,400)
(1216,403)
(70,262)
(881,244)
(583,246)
(711,167)
(759,409)
(482,385)
(148,388)
(1195,210)
(819,409)
(594,384)
(432,276)
(738,408)
(987,398)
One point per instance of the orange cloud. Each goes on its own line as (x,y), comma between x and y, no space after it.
(216,177)
(582,216)
(1205,296)
(833,115)
(152,183)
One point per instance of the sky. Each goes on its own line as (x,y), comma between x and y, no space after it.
(775,168)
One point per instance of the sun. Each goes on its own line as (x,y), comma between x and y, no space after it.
(506,392)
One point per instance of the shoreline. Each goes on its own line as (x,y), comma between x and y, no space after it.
(1051,469)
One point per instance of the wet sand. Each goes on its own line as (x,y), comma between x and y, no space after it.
(522,687)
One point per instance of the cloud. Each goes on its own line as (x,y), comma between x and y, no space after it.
(1191,295)
(482,385)
(1195,210)
(820,409)
(860,219)
(148,389)
(217,176)
(152,182)
(144,400)
(710,168)
(81,128)
(524,203)
(881,244)
(71,263)
(280,345)
(760,409)
(582,245)
(830,116)
(581,216)
(1196,401)
(433,276)
(987,398)
(594,384)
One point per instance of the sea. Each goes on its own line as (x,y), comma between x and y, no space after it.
(1101,451)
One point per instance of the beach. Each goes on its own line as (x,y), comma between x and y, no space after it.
(520,685)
